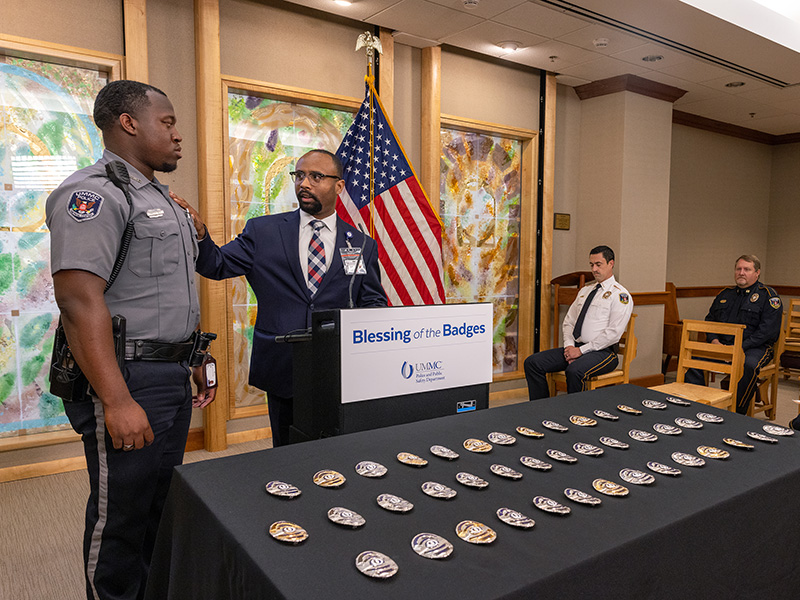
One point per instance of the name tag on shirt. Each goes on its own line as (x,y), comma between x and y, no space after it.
(155,213)
(350,258)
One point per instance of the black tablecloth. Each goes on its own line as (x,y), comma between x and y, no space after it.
(729,529)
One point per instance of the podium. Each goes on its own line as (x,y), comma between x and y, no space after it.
(365,368)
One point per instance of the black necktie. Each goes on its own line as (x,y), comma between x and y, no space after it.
(576,331)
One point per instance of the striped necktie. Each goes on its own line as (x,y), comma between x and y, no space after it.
(316,258)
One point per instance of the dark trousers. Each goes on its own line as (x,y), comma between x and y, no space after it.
(577,372)
(754,360)
(281,417)
(128,489)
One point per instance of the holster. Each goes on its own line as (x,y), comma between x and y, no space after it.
(67,381)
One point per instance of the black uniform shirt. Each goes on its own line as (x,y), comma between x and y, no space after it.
(758,307)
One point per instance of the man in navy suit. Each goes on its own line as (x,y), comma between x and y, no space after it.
(294,265)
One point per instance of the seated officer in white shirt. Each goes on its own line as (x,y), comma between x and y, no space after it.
(594,324)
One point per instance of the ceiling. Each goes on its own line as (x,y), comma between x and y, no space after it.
(699,53)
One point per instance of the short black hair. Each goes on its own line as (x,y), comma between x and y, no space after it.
(337,163)
(607,252)
(118,97)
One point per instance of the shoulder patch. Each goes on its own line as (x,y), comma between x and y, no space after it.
(84,205)
(775,302)
(623,297)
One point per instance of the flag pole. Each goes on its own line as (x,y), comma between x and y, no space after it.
(371,43)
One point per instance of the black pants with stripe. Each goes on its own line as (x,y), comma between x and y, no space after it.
(128,489)
(754,360)
(577,372)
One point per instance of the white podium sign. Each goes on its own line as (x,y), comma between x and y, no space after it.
(410,349)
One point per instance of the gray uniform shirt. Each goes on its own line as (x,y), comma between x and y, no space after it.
(155,290)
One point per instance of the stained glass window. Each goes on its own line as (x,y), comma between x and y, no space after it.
(266,137)
(46,132)
(480,207)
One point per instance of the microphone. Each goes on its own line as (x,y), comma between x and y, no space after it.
(358,264)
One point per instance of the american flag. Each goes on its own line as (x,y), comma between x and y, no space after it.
(402,221)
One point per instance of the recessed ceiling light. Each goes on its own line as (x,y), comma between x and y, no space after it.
(342,2)
(734,84)
(509,45)
(652,58)
(470,4)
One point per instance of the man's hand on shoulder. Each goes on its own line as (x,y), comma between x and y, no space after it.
(199,226)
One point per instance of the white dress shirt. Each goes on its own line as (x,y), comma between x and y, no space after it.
(606,318)
(327,235)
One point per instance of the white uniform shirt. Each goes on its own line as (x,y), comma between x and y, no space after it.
(327,235)
(606,318)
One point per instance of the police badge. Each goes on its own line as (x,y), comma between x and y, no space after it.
(754,298)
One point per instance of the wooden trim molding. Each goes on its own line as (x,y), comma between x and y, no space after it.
(288,93)
(135,23)
(706,124)
(464,124)
(629,83)
(703,291)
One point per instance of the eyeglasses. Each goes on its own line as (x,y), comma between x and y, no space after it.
(313,176)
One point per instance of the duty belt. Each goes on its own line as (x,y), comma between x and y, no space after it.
(159,351)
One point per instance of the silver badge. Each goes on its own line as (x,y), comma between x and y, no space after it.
(777,430)
(535,463)
(709,418)
(515,518)
(663,469)
(443,452)
(688,460)
(636,477)
(667,429)
(501,438)
(587,449)
(376,564)
(654,404)
(286,490)
(505,471)
(430,545)
(613,443)
(394,503)
(367,468)
(678,401)
(345,516)
(581,497)
(688,423)
(554,426)
(155,213)
(606,415)
(551,506)
(562,456)
(471,480)
(642,436)
(438,490)
(761,437)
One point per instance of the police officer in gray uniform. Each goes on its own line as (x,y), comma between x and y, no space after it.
(135,419)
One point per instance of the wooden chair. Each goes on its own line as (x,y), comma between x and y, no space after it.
(627,352)
(671,344)
(792,335)
(718,358)
(766,397)
(564,294)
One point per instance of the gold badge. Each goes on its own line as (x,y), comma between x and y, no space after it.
(723,301)
(607,295)
(754,298)
(329,478)
(286,531)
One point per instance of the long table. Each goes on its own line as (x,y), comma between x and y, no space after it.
(729,529)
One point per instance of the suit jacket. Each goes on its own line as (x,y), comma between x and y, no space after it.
(266,253)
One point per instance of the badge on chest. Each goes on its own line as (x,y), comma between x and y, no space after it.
(351,260)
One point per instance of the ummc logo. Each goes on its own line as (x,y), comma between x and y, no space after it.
(407,370)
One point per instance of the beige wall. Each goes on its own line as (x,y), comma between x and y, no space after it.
(566,258)
(719,205)
(477,89)
(283,43)
(92,24)
(782,264)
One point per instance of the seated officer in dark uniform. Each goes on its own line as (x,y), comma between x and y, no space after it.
(758,307)
(134,419)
